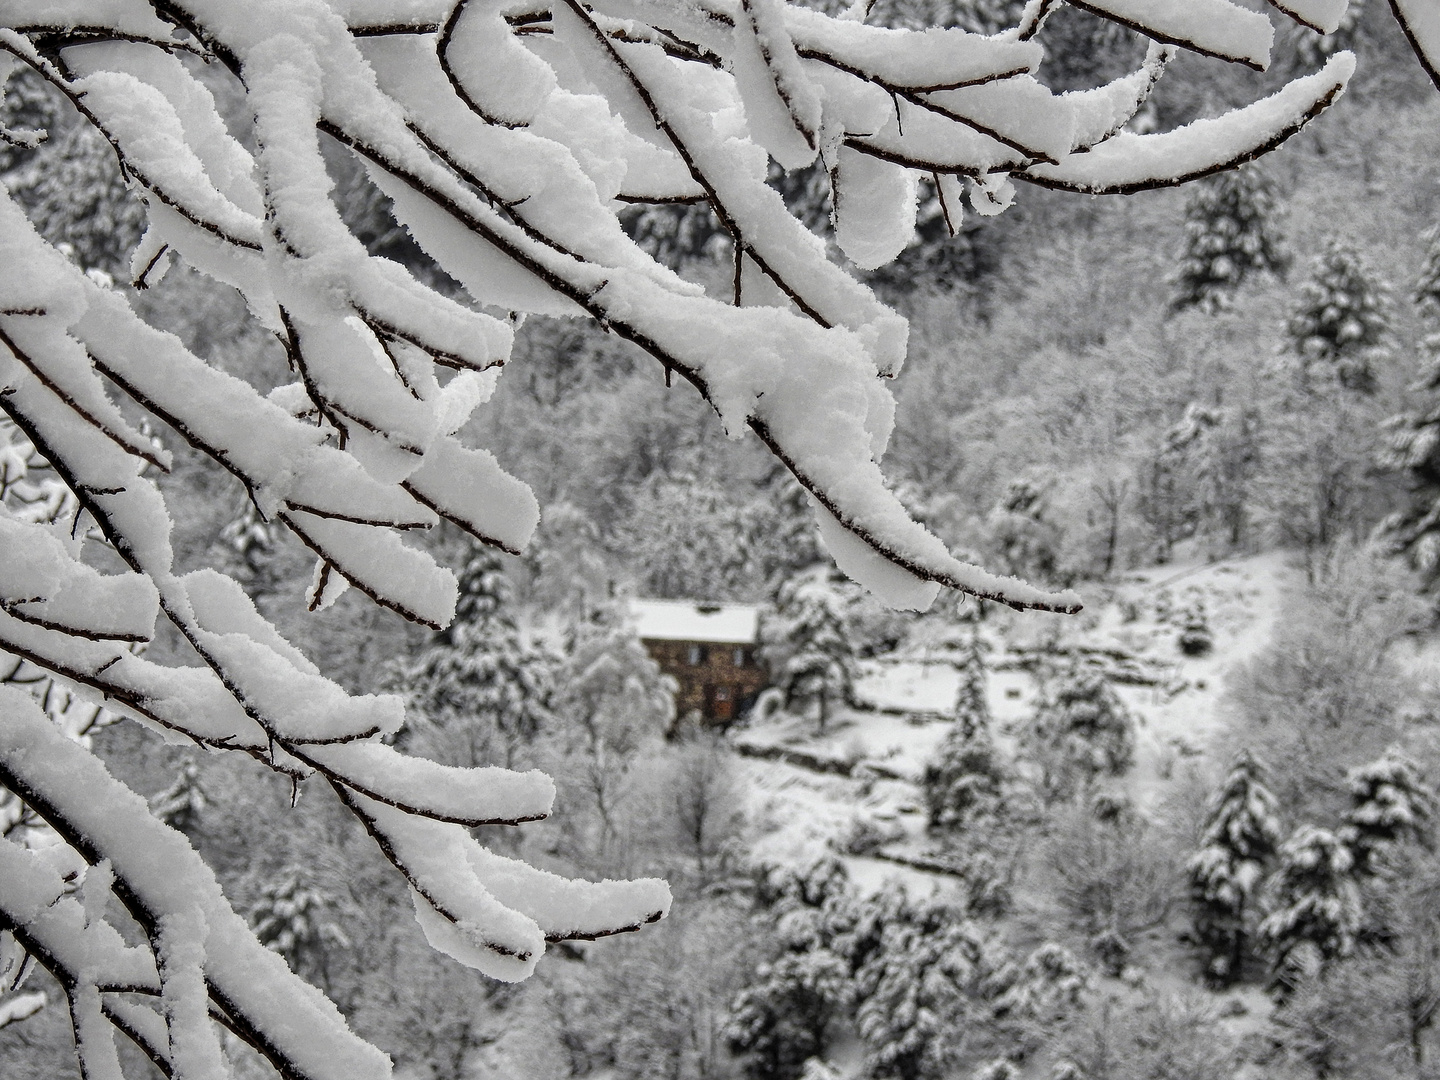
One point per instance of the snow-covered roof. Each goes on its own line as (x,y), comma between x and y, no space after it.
(691,620)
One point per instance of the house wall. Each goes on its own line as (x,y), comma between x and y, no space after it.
(711,681)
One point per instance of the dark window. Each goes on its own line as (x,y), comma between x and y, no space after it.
(697,655)
(722,693)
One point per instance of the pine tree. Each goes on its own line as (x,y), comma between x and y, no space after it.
(1081,730)
(73,193)
(779,1021)
(181,804)
(1413,438)
(782,1019)
(482,687)
(918,988)
(963,782)
(1240,836)
(1316,904)
(1039,996)
(296,919)
(1341,327)
(809,648)
(1230,236)
(1390,804)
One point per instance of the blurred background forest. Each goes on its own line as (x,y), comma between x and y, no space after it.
(1185,835)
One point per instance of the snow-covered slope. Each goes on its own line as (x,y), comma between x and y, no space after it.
(808,789)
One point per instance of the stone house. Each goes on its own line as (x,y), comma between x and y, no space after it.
(710,649)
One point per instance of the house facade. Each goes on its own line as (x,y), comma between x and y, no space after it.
(710,650)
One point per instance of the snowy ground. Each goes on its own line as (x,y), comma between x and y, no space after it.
(802,813)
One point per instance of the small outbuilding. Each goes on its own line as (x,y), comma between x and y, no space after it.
(710,649)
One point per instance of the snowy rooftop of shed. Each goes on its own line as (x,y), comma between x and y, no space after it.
(690,620)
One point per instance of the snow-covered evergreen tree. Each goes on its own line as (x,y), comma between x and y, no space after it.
(779,1021)
(1315,904)
(1412,444)
(1026,540)
(296,919)
(1241,833)
(505,151)
(918,989)
(73,193)
(1390,804)
(808,646)
(963,781)
(1340,329)
(784,1017)
(183,802)
(1230,235)
(1040,995)
(483,688)
(1081,730)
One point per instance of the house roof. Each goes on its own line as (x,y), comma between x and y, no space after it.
(691,620)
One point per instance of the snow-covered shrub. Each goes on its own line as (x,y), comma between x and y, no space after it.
(1195,637)
(481,689)
(505,138)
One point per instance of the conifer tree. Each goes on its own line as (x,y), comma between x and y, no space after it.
(1316,904)
(1341,327)
(73,193)
(294,918)
(1230,236)
(181,804)
(1026,541)
(1240,836)
(917,989)
(1413,438)
(1081,730)
(808,643)
(1040,995)
(963,781)
(1390,804)
(482,687)
(779,1021)
(782,1019)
